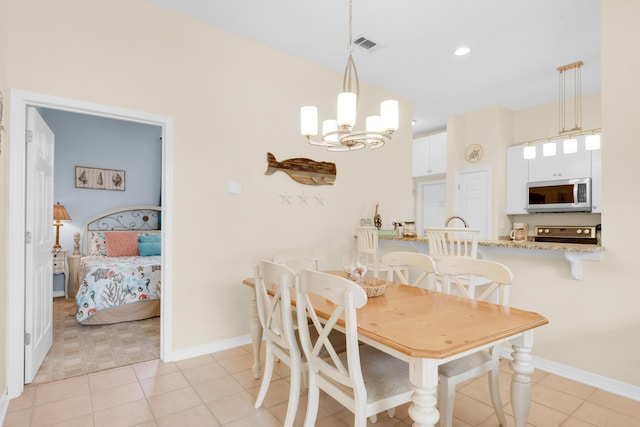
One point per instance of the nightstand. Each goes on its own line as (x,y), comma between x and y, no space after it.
(60,266)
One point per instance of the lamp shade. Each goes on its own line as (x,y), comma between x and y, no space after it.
(60,213)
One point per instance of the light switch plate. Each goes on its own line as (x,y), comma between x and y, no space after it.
(233,187)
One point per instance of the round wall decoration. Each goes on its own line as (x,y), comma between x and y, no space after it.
(473,153)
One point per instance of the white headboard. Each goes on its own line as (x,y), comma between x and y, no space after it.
(122,219)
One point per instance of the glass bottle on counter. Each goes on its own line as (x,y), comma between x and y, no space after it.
(409,229)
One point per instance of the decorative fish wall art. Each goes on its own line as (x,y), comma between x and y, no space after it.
(304,171)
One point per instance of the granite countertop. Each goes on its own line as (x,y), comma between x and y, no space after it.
(507,243)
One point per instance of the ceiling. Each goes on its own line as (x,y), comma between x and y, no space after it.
(516,45)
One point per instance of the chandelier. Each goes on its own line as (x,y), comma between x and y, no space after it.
(339,134)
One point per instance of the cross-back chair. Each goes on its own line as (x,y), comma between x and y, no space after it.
(495,287)
(364,380)
(367,248)
(298,258)
(402,263)
(277,323)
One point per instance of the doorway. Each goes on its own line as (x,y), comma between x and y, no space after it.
(20,100)
(431,204)
(474,199)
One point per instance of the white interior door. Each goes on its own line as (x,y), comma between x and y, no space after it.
(432,202)
(39,243)
(473,200)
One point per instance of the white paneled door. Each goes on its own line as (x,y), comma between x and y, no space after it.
(473,201)
(39,243)
(432,200)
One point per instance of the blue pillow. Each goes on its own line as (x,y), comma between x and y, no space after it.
(149,248)
(149,238)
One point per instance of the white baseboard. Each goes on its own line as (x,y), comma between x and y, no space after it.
(4,405)
(208,348)
(57,294)
(594,380)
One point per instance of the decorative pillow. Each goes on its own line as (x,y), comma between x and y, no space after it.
(97,244)
(149,238)
(149,248)
(122,243)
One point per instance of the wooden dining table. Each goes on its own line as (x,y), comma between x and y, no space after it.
(427,329)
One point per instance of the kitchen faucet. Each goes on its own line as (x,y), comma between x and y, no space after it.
(451,218)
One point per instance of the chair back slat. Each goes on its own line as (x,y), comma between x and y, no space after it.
(298,258)
(469,276)
(400,260)
(452,241)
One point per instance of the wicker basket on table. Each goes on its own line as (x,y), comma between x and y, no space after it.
(374,287)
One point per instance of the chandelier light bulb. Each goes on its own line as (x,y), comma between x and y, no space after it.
(549,149)
(529,152)
(570,146)
(592,142)
(347,110)
(309,121)
(389,115)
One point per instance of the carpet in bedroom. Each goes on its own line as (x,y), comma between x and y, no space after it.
(79,350)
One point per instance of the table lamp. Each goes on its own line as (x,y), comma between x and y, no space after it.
(59,214)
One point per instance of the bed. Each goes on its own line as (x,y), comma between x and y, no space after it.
(121,273)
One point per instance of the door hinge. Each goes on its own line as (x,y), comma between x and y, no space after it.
(27,237)
(29,135)
(27,338)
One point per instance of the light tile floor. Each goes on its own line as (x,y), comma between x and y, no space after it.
(219,390)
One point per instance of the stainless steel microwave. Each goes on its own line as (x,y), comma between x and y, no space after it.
(569,195)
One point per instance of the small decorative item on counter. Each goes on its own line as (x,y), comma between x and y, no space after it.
(377,219)
(373,286)
(409,229)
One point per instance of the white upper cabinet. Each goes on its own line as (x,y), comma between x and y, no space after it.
(561,165)
(430,155)
(517,178)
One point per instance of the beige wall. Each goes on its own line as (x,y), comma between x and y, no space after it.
(4,162)
(232,101)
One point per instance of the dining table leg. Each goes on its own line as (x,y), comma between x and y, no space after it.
(522,366)
(423,374)
(256,336)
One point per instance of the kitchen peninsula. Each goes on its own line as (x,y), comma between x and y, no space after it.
(572,252)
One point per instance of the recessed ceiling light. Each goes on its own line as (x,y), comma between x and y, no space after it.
(462,51)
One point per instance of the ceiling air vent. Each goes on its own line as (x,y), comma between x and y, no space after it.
(365,43)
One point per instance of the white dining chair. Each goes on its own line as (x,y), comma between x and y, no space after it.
(367,249)
(495,287)
(364,380)
(452,241)
(277,323)
(402,263)
(298,258)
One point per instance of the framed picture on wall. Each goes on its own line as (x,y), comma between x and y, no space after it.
(101,179)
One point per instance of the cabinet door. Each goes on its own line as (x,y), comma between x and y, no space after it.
(517,177)
(430,155)
(438,153)
(560,166)
(420,157)
(543,168)
(575,165)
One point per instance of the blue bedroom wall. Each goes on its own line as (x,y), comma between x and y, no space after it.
(85,140)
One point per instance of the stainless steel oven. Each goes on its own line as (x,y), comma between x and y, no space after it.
(585,234)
